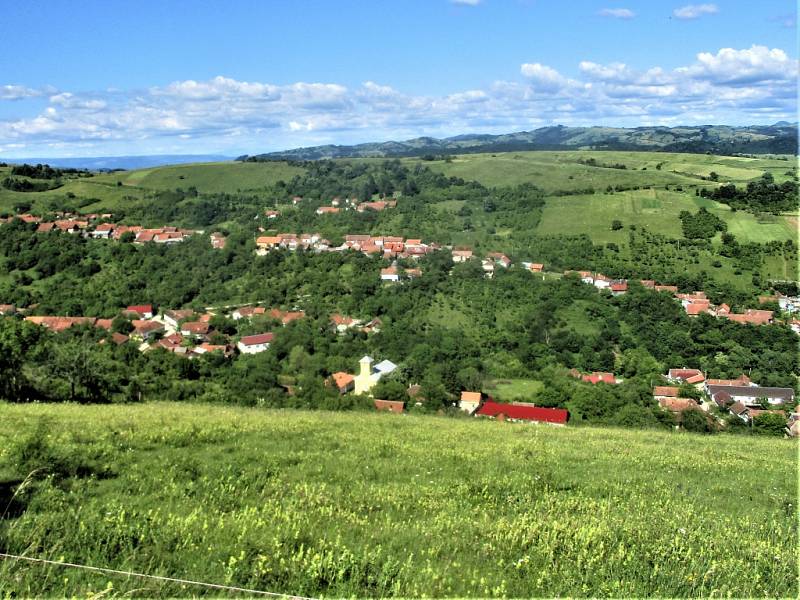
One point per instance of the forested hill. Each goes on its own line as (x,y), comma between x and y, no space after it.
(780,138)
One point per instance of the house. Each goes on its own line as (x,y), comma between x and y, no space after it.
(245,312)
(253,344)
(146,329)
(59,324)
(7,309)
(272,214)
(536,267)
(697,307)
(104,324)
(413,273)
(45,227)
(693,377)
(390,274)
(119,338)
(172,343)
(597,377)
(665,391)
(394,406)
(173,317)
(750,395)
(205,348)
(327,210)
(195,329)
(286,317)
(144,311)
(500,259)
(462,255)
(369,375)
(722,399)
(103,231)
(520,411)
(344,382)
(601,282)
(267,242)
(650,284)
(741,411)
(794,325)
(677,405)
(343,323)
(741,380)
(373,326)
(470,401)
(488,267)
(619,287)
(297,200)
(218,241)
(672,289)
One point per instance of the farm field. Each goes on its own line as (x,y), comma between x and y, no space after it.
(560,170)
(657,210)
(361,504)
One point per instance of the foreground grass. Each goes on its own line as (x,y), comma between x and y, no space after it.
(334,504)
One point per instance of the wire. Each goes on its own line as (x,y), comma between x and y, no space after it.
(215,586)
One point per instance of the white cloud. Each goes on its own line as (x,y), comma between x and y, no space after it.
(617,13)
(542,77)
(695,11)
(223,114)
(18,92)
(465,2)
(750,65)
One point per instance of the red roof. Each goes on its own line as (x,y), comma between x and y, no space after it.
(259,338)
(142,309)
(595,378)
(524,413)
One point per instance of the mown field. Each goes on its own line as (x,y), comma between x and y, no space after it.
(560,170)
(337,504)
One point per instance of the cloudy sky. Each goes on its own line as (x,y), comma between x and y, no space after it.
(84,78)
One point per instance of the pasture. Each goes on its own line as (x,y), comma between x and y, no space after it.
(657,210)
(361,504)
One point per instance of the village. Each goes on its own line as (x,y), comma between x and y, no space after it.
(190,334)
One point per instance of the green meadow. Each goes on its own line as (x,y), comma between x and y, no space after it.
(655,209)
(560,170)
(374,505)
(207,177)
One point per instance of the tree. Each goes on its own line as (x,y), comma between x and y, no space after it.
(616,225)
(390,389)
(769,423)
(697,421)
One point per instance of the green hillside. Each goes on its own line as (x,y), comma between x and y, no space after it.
(561,170)
(207,177)
(655,209)
(351,504)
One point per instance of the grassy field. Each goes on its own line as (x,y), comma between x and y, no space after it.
(207,177)
(560,170)
(509,390)
(337,504)
(657,210)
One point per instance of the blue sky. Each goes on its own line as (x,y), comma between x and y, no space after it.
(101,78)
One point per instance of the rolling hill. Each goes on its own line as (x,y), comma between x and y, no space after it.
(780,138)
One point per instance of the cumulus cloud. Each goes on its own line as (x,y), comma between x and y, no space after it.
(543,77)
(695,11)
(730,85)
(617,13)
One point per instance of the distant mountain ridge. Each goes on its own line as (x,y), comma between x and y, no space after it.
(779,138)
(98,163)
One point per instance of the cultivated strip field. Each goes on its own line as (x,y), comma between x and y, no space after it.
(341,504)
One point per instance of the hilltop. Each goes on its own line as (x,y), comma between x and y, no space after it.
(780,138)
(376,505)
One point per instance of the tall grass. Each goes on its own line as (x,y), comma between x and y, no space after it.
(332,504)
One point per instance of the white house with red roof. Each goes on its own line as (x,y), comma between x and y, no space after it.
(253,344)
